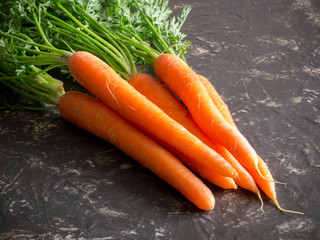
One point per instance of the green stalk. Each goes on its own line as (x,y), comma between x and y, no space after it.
(162,42)
(42,59)
(156,45)
(31,75)
(83,40)
(17,87)
(40,29)
(52,49)
(28,39)
(114,61)
(115,51)
(151,53)
(125,53)
(106,33)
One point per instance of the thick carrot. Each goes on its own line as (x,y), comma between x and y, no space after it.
(185,83)
(157,93)
(92,115)
(266,181)
(101,80)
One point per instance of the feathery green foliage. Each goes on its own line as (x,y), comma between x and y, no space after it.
(39,35)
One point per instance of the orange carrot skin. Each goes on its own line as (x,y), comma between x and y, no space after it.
(217,100)
(101,80)
(268,187)
(92,115)
(185,83)
(208,174)
(157,93)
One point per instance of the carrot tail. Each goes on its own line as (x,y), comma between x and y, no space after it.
(92,115)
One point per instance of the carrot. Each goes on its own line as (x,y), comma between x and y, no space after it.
(101,80)
(157,93)
(217,100)
(92,115)
(185,83)
(266,182)
(267,186)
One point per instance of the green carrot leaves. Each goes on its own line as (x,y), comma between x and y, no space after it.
(39,35)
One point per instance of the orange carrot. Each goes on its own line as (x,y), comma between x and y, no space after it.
(185,83)
(217,100)
(266,183)
(268,187)
(157,93)
(101,80)
(92,115)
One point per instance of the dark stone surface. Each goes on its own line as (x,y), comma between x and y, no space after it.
(59,182)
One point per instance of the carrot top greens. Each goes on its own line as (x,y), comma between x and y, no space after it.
(149,21)
(37,36)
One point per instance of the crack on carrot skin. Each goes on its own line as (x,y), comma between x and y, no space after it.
(113,94)
(212,123)
(132,108)
(198,95)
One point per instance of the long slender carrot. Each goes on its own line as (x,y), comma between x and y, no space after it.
(92,115)
(185,83)
(157,93)
(266,183)
(268,187)
(101,80)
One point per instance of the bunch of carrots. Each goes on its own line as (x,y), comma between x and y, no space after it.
(174,124)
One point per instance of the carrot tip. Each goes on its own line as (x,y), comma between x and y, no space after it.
(284,183)
(260,198)
(286,210)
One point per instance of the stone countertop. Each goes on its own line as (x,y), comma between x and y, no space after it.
(60,182)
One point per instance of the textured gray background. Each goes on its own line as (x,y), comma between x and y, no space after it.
(59,182)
